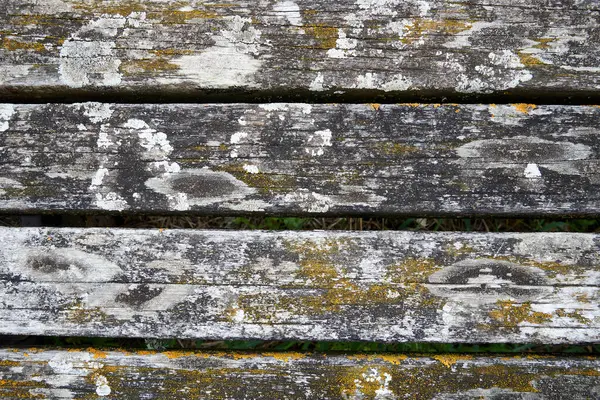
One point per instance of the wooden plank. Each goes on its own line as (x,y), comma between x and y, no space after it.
(373,286)
(184,375)
(305,159)
(299,48)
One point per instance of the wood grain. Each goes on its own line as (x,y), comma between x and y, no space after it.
(183,375)
(372,286)
(299,48)
(427,159)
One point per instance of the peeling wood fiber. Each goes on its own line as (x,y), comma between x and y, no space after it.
(371,286)
(279,158)
(40,373)
(426,47)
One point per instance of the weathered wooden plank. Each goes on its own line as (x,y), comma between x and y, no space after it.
(306,47)
(301,159)
(184,375)
(377,286)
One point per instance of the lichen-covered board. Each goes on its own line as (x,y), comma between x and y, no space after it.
(375,286)
(183,375)
(299,47)
(301,159)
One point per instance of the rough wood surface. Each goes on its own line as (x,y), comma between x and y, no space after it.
(376,286)
(305,46)
(184,375)
(301,159)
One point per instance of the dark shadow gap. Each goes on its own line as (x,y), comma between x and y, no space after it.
(293,95)
(306,223)
(68,342)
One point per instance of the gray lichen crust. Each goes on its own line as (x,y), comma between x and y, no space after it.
(37,373)
(376,286)
(387,46)
(300,158)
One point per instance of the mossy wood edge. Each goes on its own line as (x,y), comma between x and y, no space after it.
(141,47)
(301,159)
(363,286)
(38,373)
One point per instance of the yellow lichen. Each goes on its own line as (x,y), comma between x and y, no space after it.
(582,298)
(530,60)
(8,363)
(264,182)
(180,17)
(552,268)
(79,314)
(450,359)
(147,65)
(326,35)
(524,108)
(375,106)
(285,356)
(418,28)
(14,45)
(543,43)
(171,52)
(411,270)
(510,315)
(575,314)
(395,359)
(97,353)
(365,382)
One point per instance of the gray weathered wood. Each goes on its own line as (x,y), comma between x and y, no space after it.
(184,375)
(189,47)
(378,286)
(301,159)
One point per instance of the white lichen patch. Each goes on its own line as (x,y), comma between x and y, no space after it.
(237,137)
(102,387)
(317,142)
(151,140)
(229,62)
(81,61)
(304,108)
(499,71)
(379,7)
(251,169)
(532,171)
(86,60)
(14,73)
(317,84)
(367,81)
(398,83)
(6,113)
(344,46)
(307,201)
(370,379)
(549,247)
(110,201)
(288,10)
(96,112)
(98,177)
